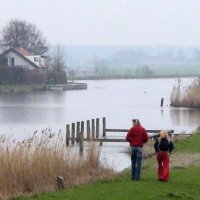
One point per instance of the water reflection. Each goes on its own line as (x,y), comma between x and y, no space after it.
(187,117)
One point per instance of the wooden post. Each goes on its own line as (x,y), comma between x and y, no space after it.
(161,103)
(67,134)
(104,127)
(93,129)
(81,138)
(97,127)
(82,127)
(77,131)
(88,129)
(60,183)
(73,133)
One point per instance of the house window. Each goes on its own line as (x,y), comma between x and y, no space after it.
(36,59)
(11,61)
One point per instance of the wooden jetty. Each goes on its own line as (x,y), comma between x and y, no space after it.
(75,133)
(75,86)
(68,86)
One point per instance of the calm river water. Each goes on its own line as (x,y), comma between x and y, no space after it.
(117,100)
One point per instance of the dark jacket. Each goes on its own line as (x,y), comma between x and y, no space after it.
(136,136)
(159,146)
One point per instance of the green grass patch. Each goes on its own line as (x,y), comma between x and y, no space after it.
(190,145)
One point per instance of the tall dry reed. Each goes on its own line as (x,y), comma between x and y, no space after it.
(189,97)
(32,165)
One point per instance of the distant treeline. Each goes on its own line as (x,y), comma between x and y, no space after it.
(99,62)
(145,71)
(128,56)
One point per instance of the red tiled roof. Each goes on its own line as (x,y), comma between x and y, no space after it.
(23,51)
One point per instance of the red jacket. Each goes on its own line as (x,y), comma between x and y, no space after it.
(136,136)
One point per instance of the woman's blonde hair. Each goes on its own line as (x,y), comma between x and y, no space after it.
(164,134)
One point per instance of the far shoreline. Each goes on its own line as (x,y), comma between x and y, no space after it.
(132,77)
(74,84)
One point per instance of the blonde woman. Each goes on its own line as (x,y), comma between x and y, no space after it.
(163,147)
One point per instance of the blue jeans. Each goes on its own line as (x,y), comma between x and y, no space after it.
(136,162)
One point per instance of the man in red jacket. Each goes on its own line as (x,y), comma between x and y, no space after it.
(136,136)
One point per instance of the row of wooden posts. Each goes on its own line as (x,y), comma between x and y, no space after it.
(75,133)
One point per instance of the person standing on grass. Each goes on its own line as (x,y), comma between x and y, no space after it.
(163,147)
(136,136)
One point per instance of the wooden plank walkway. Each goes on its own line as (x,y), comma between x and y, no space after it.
(75,133)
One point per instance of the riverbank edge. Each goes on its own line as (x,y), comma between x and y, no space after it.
(149,170)
(18,89)
(71,85)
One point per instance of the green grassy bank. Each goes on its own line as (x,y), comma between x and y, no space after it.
(184,183)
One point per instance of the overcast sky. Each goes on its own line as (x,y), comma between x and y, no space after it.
(110,22)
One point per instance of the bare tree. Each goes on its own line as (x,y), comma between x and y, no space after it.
(19,33)
(58,57)
(100,66)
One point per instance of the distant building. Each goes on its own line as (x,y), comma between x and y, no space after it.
(20,57)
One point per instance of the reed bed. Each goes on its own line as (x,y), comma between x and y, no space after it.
(31,166)
(188,97)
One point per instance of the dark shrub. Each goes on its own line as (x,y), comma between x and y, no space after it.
(18,75)
(56,77)
(34,76)
(11,75)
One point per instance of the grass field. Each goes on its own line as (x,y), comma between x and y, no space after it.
(184,183)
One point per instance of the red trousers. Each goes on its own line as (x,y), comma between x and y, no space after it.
(163,165)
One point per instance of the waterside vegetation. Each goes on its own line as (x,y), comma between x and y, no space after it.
(31,166)
(186,97)
(184,183)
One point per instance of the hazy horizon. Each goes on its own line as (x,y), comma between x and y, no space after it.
(109,22)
